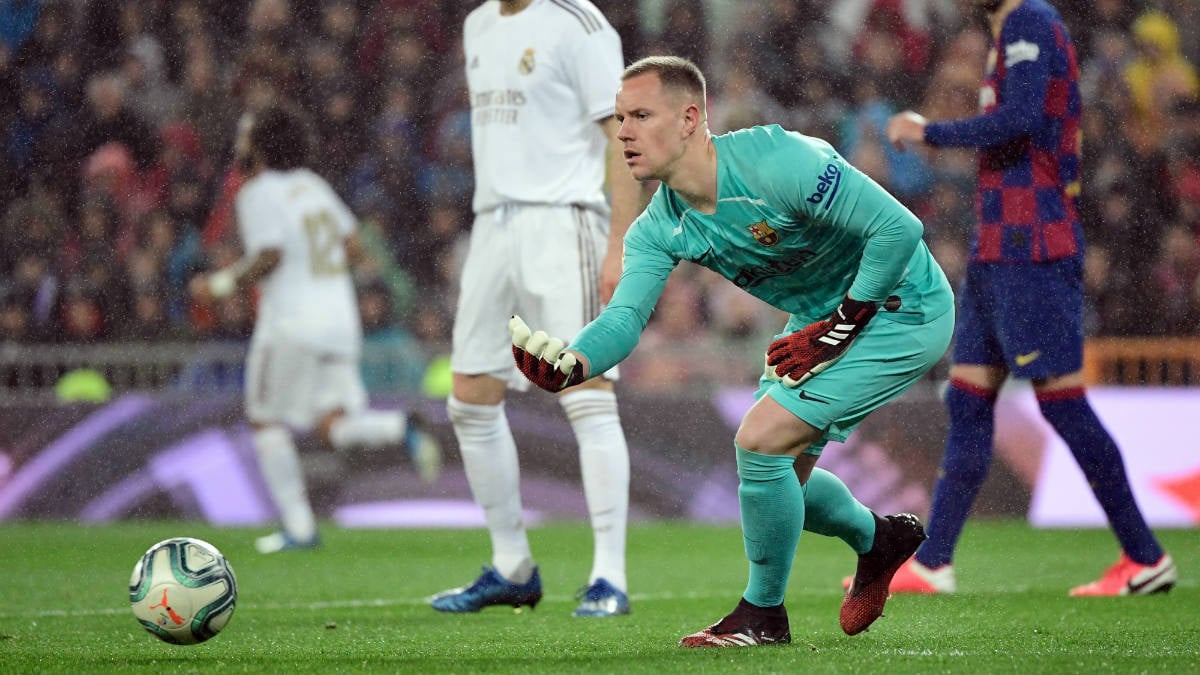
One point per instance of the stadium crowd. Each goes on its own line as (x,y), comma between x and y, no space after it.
(118,118)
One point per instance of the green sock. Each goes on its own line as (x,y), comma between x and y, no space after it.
(831,510)
(772,517)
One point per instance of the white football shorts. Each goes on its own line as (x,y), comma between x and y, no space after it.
(297,385)
(539,261)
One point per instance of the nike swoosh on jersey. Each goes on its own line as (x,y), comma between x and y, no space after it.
(1026,359)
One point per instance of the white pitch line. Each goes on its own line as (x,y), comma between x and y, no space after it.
(344,604)
(1015,590)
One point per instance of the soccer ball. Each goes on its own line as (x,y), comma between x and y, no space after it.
(183,591)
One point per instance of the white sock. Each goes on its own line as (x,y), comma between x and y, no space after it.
(604,465)
(280,466)
(368,428)
(489,455)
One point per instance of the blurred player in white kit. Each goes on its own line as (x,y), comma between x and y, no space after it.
(302,371)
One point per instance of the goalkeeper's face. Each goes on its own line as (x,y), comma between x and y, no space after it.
(654,127)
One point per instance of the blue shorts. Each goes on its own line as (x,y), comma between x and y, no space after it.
(1025,317)
(881,363)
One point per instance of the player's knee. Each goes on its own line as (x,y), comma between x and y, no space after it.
(325,426)
(483,390)
(463,413)
(270,440)
(966,400)
(757,438)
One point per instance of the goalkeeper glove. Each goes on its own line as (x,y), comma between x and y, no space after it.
(541,358)
(797,357)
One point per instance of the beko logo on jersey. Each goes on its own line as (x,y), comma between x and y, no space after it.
(827,184)
(754,276)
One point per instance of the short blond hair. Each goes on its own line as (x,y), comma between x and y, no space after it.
(675,72)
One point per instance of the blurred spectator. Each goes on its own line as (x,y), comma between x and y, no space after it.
(405,365)
(624,17)
(950,254)
(1160,75)
(10,94)
(741,324)
(379,264)
(820,92)
(1091,20)
(81,318)
(35,284)
(864,143)
(17,21)
(28,131)
(94,229)
(783,26)
(385,175)
(152,95)
(180,159)
(855,23)
(341,134)
(325,72)
(890,45)
(673,350)
(684,32)
(31,225)
(740,102)
(16,319)
(49,38)
(1183,158)
(389,18)
(1101,298)
(448,174)
(339,24)
(177,252)
(440,253)
(1176,272)
(147,317)
(111,176)
(949,211)
(105,119)
(204,104)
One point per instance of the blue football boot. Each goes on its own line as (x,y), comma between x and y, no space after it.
(601,599)
(423,448)
(282,541)
(488,590)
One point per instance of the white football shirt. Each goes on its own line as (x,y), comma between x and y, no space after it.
(539,82)
(309,298)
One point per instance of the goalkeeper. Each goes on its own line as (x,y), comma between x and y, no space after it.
(784,217)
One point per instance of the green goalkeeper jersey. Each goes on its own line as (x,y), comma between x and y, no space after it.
(795,226)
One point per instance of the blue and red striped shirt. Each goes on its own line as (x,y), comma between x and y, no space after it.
(1028,135)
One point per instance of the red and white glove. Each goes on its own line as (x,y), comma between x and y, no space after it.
(795,358)
(541,358)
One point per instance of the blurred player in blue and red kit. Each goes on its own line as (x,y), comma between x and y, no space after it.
(1020,309)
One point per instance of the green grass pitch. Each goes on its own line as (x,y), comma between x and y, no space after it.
(357,606)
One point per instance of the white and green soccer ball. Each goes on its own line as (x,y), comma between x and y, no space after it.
(183,591)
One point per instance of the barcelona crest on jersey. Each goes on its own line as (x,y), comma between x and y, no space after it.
(763,233)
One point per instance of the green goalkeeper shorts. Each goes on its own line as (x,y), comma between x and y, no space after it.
(886,359)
